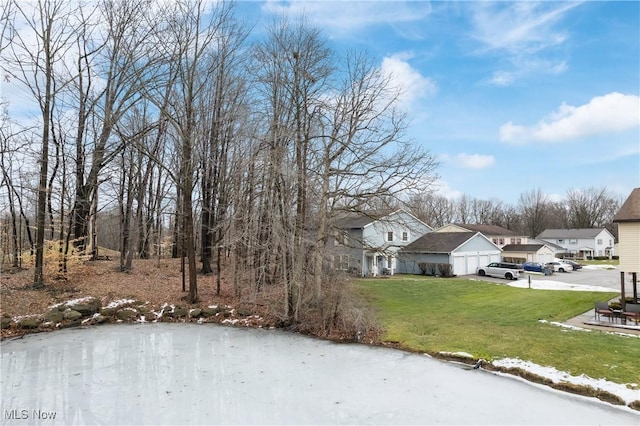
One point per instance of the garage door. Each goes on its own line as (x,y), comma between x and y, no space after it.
(459,265)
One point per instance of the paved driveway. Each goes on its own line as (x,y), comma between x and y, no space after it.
(608,278)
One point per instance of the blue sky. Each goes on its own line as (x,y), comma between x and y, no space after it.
(510,96)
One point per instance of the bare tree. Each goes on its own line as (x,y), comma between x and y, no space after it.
(34,67)
(591,207)
(533,207)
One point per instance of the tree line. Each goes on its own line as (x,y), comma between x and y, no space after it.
(173,126)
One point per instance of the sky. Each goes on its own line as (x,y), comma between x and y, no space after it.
(509,97)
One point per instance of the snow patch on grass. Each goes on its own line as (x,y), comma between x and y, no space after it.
(72,302)
(628,392)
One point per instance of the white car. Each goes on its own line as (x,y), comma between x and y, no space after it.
(508,271)
(560,266)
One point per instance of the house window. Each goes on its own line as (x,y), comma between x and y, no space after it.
(560,241)
(599,241)
(512,241)
(405,236)
(390,236)
(495,241)
(518,240)
(342,262)
(573,241)
(501,240)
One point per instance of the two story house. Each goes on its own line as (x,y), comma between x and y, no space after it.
(581,243)
(367,242)
(498,235)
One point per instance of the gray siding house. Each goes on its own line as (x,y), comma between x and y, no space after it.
(368,242)
(465,251)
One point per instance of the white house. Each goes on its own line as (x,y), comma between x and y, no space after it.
(532,252)
(465,251)
(368,242)
(582,242)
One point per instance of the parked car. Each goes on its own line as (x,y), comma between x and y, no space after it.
(574,265)
(559,266)
(533,267)
(509,271)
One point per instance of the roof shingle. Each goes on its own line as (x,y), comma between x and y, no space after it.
(630,210)
(438,242)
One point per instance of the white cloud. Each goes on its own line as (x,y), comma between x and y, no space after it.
(474,161)
(352,15)
(412,84)
(521,31)
(443,189)
(614,112)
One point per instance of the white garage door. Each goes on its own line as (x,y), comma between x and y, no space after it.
(459,265)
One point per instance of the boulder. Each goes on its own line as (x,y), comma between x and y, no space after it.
(72,315)
(180,312)
(99,319)
(126,314)
(29,322)
(5,322)
(195,312)
(54,315)
(88,307)
(108,312)
(243,312)
(209,312)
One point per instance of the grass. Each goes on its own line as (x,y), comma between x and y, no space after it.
(495,321)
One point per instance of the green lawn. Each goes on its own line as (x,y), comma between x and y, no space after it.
(493,321)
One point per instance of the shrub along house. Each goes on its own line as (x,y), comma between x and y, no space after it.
(463,251)
(367,242)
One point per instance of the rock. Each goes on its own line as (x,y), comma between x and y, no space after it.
(244,312)
(29,322)
(54,315)
(72,315)
(195,312)
(99,319)
(208,312)
(143,310)
(5,322)
(180,312)
(108,312)
(226,314)
(126,314)
(88,307)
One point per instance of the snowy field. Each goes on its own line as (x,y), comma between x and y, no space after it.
(210,374)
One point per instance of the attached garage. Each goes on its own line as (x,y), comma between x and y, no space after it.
(465,251)
(519,253)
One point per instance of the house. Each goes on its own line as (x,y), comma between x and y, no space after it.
(498,235)
(628,220)
(465,251)
(532,252)
(581,243)
(368,242)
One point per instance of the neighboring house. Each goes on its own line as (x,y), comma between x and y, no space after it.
(367,242)
(558,251)
(465,251)
(519,253)
(498,235)
(582,242)
(628,220)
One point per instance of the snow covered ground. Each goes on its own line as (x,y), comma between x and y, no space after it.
(211,374)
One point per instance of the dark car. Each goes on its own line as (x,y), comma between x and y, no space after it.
(575,265)
(533,267)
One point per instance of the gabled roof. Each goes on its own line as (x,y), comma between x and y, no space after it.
(549,244)
(439,242)
(630,210)
(358,220)
(523,247)
(571,233)
(487,229)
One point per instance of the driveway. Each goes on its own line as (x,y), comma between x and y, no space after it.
(608,278)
